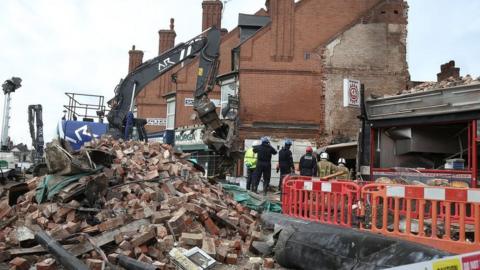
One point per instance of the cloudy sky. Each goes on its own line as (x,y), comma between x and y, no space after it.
(59,46)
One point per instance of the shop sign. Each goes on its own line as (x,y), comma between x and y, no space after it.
(188,102)
(351,93)
(156,121)
(188,137)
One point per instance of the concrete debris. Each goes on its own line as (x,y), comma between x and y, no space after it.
(450,82)
(143,203)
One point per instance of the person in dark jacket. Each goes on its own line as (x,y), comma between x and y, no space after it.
(264,163)
(308,163)
(285,162)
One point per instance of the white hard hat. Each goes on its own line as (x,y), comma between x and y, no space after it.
(324,155)
(256,143)
(342,161)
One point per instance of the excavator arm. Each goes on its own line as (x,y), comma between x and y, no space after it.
(35,121)
(219,133)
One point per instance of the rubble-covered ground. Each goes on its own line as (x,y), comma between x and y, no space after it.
(124,197)
(428,86)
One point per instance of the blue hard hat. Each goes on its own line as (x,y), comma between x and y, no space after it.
(265,139)
(288,142)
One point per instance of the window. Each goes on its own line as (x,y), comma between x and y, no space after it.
(171,114)
(229,88)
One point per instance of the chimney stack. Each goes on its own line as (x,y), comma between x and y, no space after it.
(135,59)
(448,70)
(282,14)
(212,14)
(166,38)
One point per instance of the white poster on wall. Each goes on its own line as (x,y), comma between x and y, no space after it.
(188,102)
(156,122)
(351,93)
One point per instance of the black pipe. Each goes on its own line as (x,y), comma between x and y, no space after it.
(132,264)
(61,255)
(310,245)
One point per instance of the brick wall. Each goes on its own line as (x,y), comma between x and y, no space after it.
(291,81)
(290,89)
(448,70)
(373,52)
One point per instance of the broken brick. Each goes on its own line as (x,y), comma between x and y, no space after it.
(192,239)
(95,264)
(268,263)
(110,224)
(208,245)
(19,263)
(125,245)
(193,208)
(160,217)
(177,223)
(231,258)
(47,264)
(211,227)
(161,231)
(222,252)
(144,258)
(113,258)
(143,238)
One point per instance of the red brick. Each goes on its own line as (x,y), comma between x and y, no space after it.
(222,252)
(47,264)
(143,238)
(268,263)
(111,223)
(193,208)
(19,263)
(160,217)
(125,245)
(161,231)
(208,245)
(95,264)
(144,258)
(192,239)
(112,258)
(231,258)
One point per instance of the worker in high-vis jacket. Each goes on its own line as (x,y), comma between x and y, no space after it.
(250,160)
(325,167)
(342,167)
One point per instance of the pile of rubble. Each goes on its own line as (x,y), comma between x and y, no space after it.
(428,86)
(450,82)
(143,202)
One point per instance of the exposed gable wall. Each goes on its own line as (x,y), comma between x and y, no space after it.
(288,91)
(373,52)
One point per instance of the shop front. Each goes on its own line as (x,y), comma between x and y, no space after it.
(432,137)
(189,140)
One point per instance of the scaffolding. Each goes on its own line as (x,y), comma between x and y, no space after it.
(85,107)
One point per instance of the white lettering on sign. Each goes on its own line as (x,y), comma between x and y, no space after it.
(188,137)
(188,102)
(156,122)
(351,93)
(165,64)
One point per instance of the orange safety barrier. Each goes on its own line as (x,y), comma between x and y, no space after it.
(322,201)
(442,217)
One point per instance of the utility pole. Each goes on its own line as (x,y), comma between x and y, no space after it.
(9,86)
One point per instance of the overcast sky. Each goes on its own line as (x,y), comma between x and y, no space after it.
(59,46)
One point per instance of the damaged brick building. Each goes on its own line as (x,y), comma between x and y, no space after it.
(287,63)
